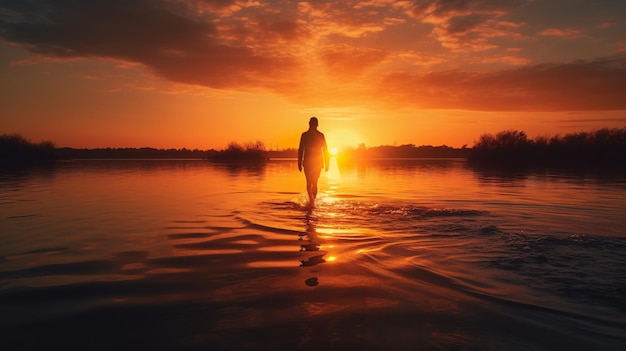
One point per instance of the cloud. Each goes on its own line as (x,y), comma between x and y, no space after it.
(169,37)
(348,19)
(211,4)
(344,62)
(607,24)
(467,25)
(513,60)
(566,33)
(288,30)
(235,44)
(443,10)
(607,120)
(223,8)
(580,85)
(463,24)
(280,47)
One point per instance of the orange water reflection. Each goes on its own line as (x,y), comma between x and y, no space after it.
(428,239)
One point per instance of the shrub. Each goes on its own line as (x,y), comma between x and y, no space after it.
(14,147)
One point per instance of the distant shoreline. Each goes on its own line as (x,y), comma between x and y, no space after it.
(602,147)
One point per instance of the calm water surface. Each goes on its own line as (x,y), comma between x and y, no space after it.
(396,254)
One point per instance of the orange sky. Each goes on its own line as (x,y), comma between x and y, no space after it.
(202,73)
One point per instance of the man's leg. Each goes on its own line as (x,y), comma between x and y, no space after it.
(313,189)
(311,182)
(309,189)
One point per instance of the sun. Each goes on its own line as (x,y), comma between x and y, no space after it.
(343,138)
(333,151)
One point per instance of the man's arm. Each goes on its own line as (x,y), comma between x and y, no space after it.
(326,154)
(300,153)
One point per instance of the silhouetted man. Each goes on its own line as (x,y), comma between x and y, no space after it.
(312,155)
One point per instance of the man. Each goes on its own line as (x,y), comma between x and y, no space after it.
(312,155)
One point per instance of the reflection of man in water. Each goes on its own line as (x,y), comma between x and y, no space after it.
(312,154)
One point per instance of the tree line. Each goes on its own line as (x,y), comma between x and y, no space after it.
(406,151)
(598,146)
(602,146)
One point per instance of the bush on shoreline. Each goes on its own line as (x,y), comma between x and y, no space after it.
(599,146)
(235,152)
(14,147)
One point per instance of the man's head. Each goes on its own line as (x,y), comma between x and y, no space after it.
(313,123)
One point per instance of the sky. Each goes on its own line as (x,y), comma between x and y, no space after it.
(203,73)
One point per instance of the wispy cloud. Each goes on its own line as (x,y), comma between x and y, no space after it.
(467,25)
(607,24)
(566,33)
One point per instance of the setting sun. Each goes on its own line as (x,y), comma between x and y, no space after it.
(333,151)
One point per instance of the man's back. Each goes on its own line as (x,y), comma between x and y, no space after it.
(312,143)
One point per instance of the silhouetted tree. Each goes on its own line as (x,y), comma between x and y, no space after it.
(14,147)
(235,152)
(600,146)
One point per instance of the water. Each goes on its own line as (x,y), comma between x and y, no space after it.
(396,254)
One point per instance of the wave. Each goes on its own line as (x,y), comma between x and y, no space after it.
(388,238)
